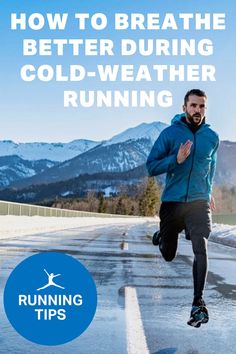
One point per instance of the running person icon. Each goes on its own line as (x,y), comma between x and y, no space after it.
(50,281)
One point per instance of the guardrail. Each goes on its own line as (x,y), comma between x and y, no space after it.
(11,208)
(20,209)
(228,219)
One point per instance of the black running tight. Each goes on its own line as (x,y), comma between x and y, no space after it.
(195,219)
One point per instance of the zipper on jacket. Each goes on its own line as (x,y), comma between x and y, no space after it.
(194,148)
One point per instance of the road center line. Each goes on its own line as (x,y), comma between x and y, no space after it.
(136,340)
(126,246)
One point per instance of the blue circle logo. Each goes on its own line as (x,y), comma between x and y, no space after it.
(50,298)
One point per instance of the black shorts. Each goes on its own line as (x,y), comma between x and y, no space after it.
(193,217)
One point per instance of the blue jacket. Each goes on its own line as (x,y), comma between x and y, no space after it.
(192,179)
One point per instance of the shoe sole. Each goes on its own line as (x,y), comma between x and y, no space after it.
(195,324)
(205,320)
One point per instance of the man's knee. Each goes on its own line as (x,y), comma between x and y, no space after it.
(169,258)
(167,255)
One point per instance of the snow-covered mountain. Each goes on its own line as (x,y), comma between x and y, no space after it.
(121,153)
(65,151)
(77,187)
(13,168)
(144,130)
(50,151)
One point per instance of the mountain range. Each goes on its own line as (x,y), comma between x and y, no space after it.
(26,168)
(13,168)
(56,152)
(123,152)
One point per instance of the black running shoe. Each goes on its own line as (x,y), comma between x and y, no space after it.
(199,314)
(156,238)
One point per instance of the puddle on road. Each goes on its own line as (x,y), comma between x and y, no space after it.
(121,297)
(219,284)
(227,290)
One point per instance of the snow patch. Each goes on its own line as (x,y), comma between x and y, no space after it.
(49,151)
(145,130)
(16,226)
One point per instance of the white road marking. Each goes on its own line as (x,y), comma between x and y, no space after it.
(126,246)
(136,340)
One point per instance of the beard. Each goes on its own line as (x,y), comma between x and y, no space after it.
(195,120)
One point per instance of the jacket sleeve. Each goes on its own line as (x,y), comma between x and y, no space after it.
(213,165)
(161,159)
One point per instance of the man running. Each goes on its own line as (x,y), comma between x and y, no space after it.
(186,152)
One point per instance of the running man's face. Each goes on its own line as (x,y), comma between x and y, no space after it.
(195,109)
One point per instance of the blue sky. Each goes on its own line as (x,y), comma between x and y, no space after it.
(34,111)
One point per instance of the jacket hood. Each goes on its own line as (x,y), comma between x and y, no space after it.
(177,118)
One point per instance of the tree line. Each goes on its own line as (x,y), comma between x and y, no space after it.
(142,199)
(225,198)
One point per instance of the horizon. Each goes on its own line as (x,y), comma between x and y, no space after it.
(70,141)
(90,139)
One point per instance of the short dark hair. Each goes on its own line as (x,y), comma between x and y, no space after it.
(195,92)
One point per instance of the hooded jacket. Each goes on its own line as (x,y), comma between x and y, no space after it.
(192,179)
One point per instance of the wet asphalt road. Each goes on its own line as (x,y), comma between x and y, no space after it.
(123,256)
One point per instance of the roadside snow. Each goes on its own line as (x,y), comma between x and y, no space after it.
(224,234)
(14,226)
